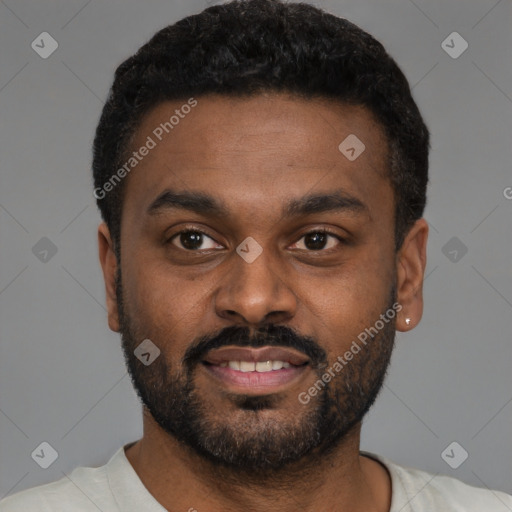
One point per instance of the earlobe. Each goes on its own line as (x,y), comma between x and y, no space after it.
(108,263)
(411,264)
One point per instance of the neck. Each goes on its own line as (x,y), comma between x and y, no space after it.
(179,479)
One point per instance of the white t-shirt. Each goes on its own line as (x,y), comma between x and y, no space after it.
(116,487)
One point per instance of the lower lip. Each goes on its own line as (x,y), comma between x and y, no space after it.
(256,382)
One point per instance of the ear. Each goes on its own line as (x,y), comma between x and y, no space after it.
(108,263)
(411,264)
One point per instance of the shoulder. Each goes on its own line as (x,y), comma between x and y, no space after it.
(417,491)
(85,489)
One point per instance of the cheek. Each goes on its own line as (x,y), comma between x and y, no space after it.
(340,306)
(163,305)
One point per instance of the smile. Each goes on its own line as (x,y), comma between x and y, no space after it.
(255,371)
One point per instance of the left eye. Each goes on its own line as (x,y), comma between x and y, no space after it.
(317,241)
(193,240)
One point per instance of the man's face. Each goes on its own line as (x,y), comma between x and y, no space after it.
(326,272)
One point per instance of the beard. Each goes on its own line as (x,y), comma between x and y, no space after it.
(256,440)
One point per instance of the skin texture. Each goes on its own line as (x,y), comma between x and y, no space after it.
(254,155)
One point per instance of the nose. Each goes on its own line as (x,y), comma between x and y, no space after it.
(256,293)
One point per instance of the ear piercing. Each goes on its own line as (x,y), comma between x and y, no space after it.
(407,321)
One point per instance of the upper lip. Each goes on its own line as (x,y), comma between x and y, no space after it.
(256,355)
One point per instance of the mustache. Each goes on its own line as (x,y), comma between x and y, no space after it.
(271,335)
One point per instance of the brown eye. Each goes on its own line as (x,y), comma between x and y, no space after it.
(318,241)
(193,240)
(315,241)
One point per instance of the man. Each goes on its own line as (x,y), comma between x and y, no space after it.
(261,169)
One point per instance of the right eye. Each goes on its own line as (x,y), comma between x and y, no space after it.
(193,240)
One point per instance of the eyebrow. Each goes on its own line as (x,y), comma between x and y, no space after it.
(205,204)
(338,201)
(192,201)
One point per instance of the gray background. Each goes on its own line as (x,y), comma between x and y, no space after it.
(62,376)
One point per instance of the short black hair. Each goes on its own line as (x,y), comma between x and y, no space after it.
(248,47)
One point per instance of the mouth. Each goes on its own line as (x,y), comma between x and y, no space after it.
(253,371)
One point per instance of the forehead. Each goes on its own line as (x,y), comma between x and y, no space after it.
(258,150)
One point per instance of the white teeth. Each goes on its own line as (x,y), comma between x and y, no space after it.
(249,366)
(264,366)
(234,365)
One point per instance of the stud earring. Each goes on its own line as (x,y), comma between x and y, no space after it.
(407,321)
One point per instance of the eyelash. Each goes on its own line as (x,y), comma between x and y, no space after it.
(324,231)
